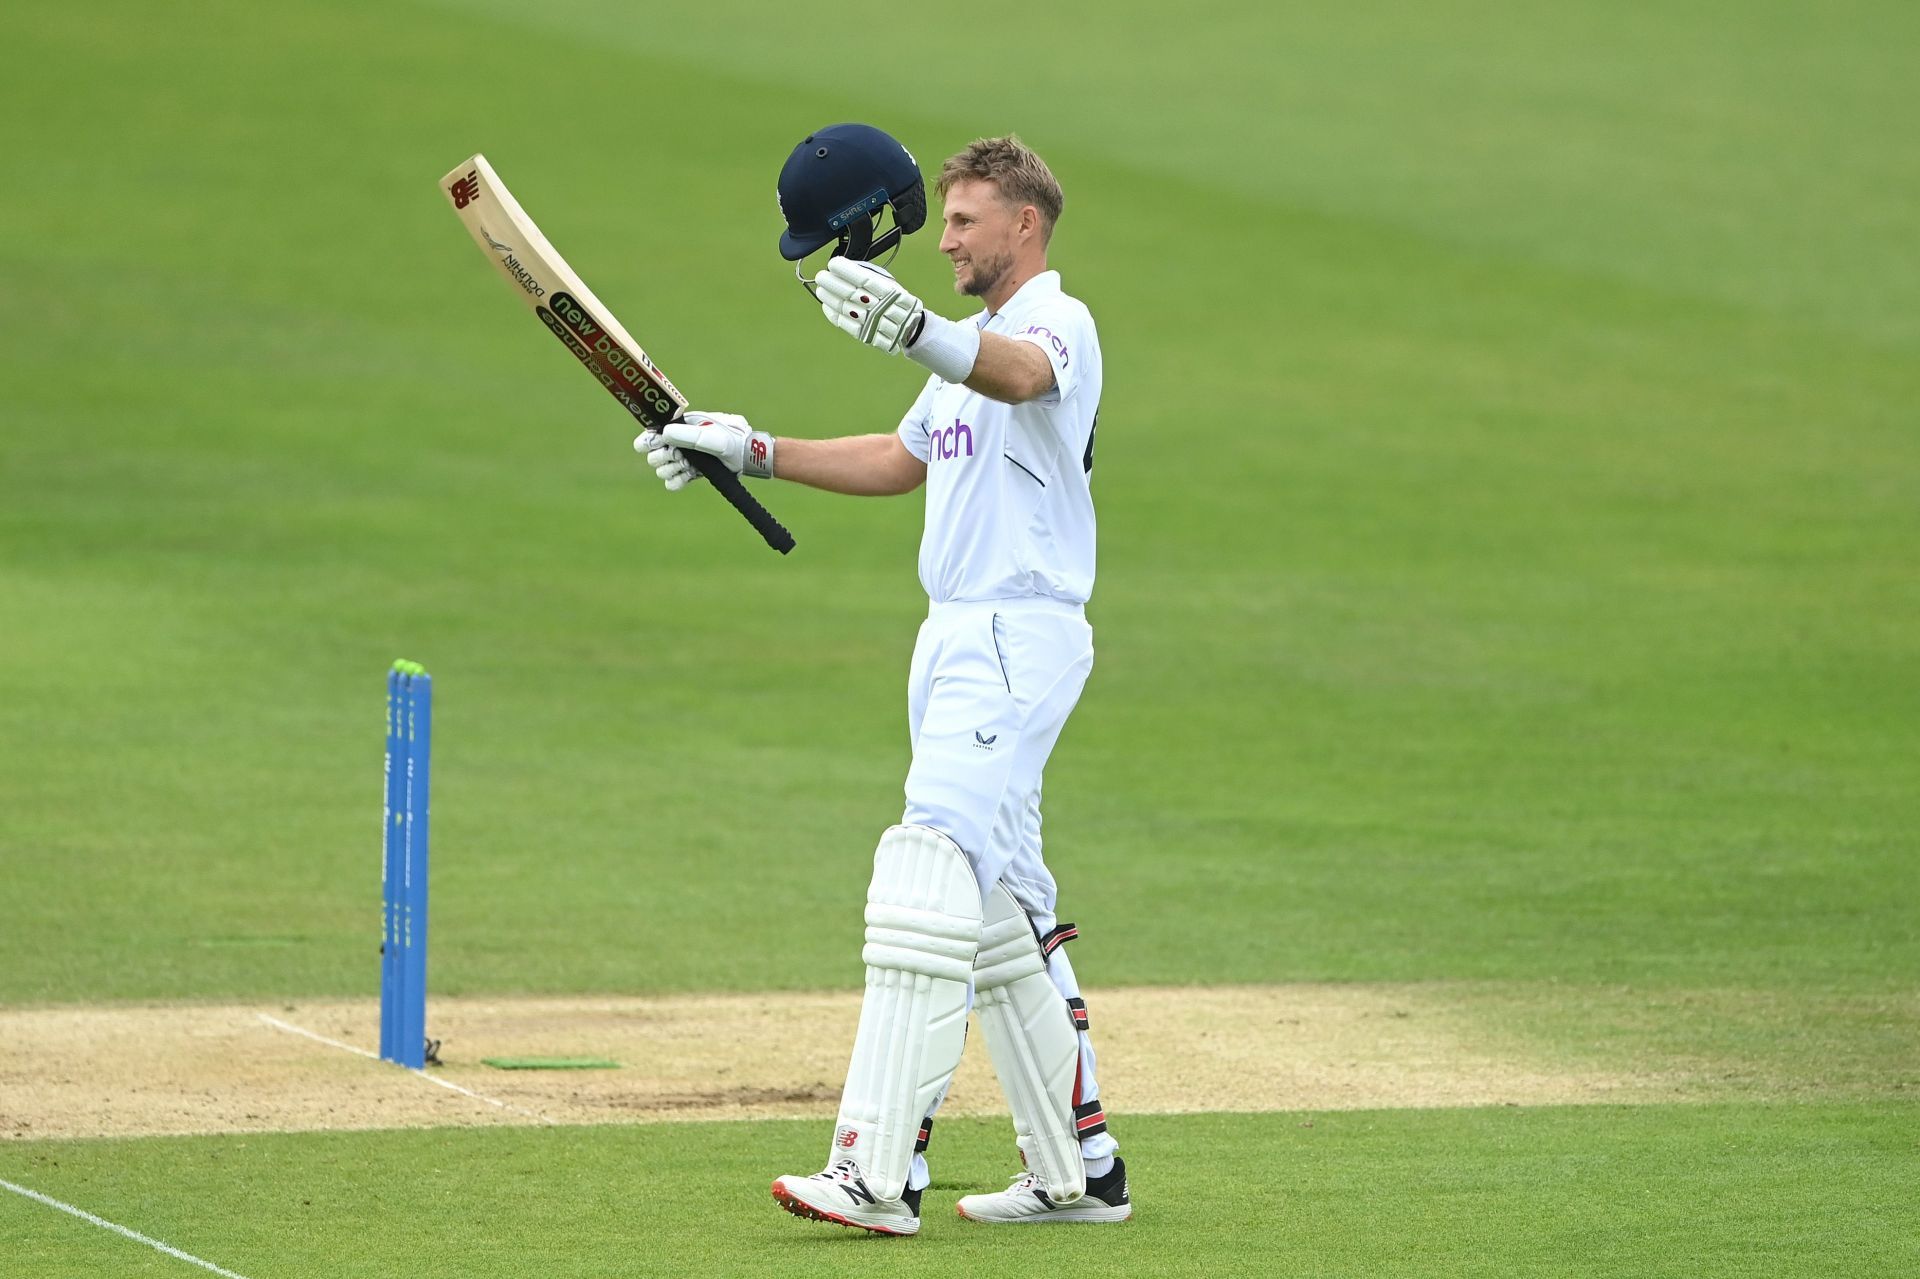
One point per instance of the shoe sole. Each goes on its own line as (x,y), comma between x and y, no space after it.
(1059,1218)
(801,1208)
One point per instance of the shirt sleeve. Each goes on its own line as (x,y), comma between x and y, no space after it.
(1057,330)
(913,427)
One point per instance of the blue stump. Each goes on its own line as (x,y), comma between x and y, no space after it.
(403,868)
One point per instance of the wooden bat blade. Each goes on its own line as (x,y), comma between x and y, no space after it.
(567,307)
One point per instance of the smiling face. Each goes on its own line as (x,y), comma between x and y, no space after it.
(986,237)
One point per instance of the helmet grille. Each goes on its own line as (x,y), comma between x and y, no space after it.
(910,207)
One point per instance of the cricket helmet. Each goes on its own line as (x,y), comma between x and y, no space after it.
(834,186)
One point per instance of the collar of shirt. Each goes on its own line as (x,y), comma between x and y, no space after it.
(1042,285)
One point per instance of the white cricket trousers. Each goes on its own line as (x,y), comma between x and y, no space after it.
(991,687)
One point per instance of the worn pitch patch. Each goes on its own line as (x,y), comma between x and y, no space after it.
(122,1071)
(550,1063)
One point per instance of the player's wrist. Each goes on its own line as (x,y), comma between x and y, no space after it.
(756,461)
(946,348)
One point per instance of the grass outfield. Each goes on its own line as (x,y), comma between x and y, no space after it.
(1507,491)
(1578,604)
(1690,1192)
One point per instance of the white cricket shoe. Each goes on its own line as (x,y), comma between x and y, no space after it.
(1026,1201)
(840,1195)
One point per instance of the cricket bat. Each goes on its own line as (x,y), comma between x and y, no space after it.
(588,329)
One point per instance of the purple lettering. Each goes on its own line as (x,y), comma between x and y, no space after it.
(945,442)
(1053,340)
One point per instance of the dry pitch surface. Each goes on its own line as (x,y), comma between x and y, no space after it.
(126,1071)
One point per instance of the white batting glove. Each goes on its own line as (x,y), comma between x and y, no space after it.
(862,300)
(669,463)
(727,436)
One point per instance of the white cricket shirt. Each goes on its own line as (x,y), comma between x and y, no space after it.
(1009,507)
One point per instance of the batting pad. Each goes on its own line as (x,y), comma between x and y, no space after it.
(1035,1047)
(923,929)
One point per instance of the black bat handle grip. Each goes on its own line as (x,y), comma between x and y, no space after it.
(744,502)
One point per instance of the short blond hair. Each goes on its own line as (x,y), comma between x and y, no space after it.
(1021,176)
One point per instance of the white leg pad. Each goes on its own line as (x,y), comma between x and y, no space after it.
(923,929)
(1035,1047)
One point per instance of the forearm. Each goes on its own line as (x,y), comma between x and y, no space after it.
(861,465)
(1009,371)
(869,304)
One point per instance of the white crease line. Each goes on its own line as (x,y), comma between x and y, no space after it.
(288,1026)
(104,1224)
(331,1043)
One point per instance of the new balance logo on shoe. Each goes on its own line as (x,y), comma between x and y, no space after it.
(818,1198)
(1026,1201)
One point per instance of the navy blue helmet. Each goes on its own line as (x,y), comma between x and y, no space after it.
(834,186)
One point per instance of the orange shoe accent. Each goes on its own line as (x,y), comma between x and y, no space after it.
(801,1208)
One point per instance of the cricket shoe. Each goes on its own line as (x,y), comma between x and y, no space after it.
(840,1195)
(1026,1201)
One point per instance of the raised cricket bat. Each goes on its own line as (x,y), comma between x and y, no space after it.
(571,313)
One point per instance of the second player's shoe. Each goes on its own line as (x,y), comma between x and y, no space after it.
(1026,1201)
(840,1195)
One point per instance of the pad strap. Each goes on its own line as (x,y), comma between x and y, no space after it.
(1056,937)
(1089,1120)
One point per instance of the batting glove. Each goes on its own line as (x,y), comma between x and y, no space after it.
(862,300)
(727,436)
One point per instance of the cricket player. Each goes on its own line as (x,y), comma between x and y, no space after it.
(961,910)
